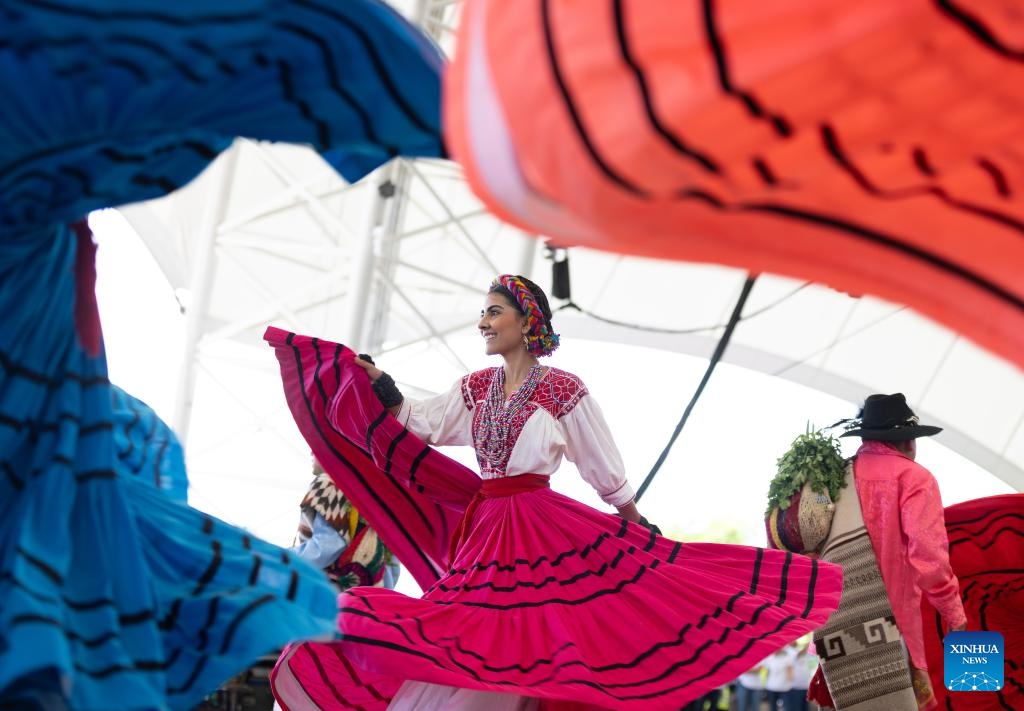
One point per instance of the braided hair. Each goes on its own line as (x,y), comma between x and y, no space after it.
(532,303)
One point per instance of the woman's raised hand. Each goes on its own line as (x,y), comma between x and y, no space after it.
(373,371)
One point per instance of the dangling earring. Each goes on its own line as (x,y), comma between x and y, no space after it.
(526,342)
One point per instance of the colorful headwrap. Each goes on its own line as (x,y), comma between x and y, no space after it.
(541,340)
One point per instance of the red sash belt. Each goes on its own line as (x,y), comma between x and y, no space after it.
(489,489)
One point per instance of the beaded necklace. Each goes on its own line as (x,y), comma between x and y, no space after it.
(492,441)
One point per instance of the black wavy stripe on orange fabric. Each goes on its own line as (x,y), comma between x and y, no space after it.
(960,15)
(831,142)
(145,616)
(699,155)
(833,150)
(867,234)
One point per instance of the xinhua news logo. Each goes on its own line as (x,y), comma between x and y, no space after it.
(974,661)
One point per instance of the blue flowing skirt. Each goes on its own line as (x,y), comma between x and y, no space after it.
(112,594)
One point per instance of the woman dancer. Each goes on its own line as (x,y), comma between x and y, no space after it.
(546,602)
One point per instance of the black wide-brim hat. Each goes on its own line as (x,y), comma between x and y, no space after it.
(889,418)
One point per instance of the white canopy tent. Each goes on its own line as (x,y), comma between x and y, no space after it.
(396,264)
(269,234)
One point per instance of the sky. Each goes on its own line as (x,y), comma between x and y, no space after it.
(251,469)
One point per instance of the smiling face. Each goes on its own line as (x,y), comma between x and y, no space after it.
(501,325)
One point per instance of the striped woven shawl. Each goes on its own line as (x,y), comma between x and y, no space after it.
(862,654)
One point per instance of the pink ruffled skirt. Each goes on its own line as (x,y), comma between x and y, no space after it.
(544,597)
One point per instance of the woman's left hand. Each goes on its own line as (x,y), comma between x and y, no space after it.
(373,371)
(631,513)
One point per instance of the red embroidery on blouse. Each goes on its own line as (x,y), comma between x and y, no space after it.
(474,386)
(558,393)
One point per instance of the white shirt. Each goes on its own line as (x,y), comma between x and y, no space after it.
(580,434)
(804,666)
(780,671)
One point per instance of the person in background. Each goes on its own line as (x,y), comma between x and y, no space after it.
(891,539)
(804,665)
(711,701)
(779,678)
(333,536)
(748,689)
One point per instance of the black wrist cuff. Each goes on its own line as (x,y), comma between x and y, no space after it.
(386,391)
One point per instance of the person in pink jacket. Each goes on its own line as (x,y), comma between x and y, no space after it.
(903,515)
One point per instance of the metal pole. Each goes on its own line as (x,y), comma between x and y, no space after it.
(387,258)
(200,290)
(527,254)
(353,329)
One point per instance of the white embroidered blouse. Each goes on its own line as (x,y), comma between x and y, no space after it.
(560,418)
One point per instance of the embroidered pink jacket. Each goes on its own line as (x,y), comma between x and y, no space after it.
(903,515)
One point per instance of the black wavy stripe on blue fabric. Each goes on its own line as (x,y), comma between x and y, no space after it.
(78,454)
(146,447)
(353,80)
(107,636)
(198,627)
(53,434)
(58,175)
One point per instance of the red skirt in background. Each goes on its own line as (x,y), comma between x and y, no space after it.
(986,550)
